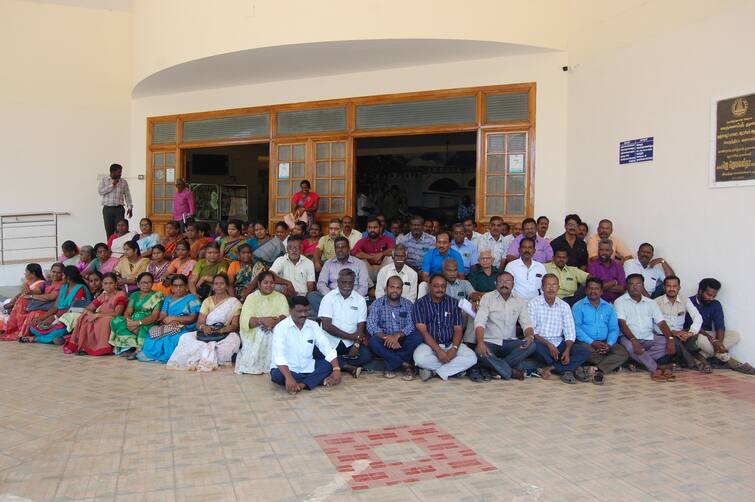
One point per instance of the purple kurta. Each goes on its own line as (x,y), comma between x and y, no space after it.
(614,271)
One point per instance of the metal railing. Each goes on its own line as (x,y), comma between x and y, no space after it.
(35,233)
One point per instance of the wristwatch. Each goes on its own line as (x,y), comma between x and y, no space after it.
(455,347)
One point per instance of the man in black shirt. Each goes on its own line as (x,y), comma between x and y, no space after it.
(575,246)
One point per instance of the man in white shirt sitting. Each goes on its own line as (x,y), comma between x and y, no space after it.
(343,313)
(654,270)
(528,273)
(675,309)
(294,341)
(400,268)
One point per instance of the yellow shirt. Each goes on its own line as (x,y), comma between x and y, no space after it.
(328,247)
(569,278)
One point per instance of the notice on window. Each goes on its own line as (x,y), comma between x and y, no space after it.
(170,175)
(734,144)
(516,163)
(283,169)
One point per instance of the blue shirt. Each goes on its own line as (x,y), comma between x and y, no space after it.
(440,318)
(433,261)
(468,252)
(389,319)
(712,313)
(595,324)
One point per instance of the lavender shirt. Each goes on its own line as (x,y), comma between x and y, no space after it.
(543,249)
(613,272)
(329,275)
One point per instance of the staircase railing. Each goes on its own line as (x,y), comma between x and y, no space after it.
(26,237)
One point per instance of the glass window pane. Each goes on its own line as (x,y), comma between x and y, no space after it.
(323,151)
(284,188)
(284,152)
(324,205)
(338,205)
(496,163)
(297,170)
(158,160)
(515,184)
(170,190)
(495,143)
(515,204)
(282,205)
(322,187)
(298,152)
(168,205)
(338,168)
(170,159)
(517,142)
(339,150)
(323,169)
(158,190)
(158,206)
(159,175)
(494,205)
(339,187)
(496,184)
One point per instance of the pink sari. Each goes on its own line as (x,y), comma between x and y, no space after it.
(20,319)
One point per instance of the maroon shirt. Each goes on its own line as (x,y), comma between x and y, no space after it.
(366,245)
(614,271)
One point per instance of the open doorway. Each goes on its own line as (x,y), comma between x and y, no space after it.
(229,182)
(427,174)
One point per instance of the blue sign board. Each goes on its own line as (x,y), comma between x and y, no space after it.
(636,150)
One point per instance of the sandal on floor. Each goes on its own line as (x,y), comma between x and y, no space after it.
(408,375)
(669,375)
(703,366)
(583,374)
(26,339)
(568,377)
(486,376)
(475,375)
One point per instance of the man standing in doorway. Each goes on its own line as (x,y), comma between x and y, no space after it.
(184,206)
(115,195)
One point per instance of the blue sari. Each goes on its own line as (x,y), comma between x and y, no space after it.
(162,348)
(66,298)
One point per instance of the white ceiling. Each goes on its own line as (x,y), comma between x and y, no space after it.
(293,62)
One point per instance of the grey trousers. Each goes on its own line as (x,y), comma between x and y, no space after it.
(424,357)
(506,356)
(616,356)
(654,349)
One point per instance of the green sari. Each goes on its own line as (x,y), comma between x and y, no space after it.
(120,337)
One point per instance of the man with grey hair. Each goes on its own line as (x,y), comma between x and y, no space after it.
(398,268)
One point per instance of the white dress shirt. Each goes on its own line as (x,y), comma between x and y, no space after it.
(497,247)
(293,347)
(653,275)
(346,313)
(641,317)
(527,281)
(674,313)
(408,276)
(300,273)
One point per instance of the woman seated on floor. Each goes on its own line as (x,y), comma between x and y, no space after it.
(200,281)
(216,338)
(47,328)
(121,236)
(158,267)
(39,304)
(241,273)
(309,244)
(147,238)
(128,331)
(104,262)
(232,242)
(262,310)
(86,255)
(93,280)
(92,331)
(197,234)
(32,288)
(178,316)
(70,254)
(172,238)
(130,266)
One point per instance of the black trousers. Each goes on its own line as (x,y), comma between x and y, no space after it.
(110,215)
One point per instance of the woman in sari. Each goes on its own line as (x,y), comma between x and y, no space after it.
(218,317)
(94,283)
(129,331)
(196,233)
(262,310)
(260,236)
(230,244)
(241,273)
(104,262)
(86,256)
(147,239)
(158,267)
(200,281)
(92,331)
(220,231)
(70,254)
(307,199)
(171,239)
(130,266)
(178,316)
(39,304)
(121,236)
(47,328)
(309,244)
(32,288)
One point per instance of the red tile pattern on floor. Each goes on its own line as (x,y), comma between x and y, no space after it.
(446,456)
(721,383)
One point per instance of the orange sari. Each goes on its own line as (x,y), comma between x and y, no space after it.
(20,320)
(198,246)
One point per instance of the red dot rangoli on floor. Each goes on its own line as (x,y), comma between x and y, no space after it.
(438,455)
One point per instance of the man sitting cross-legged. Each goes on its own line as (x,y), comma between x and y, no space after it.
(498,348)
(638,315)
(675,309)
(598,331)
(437,318)
(555,333)
(344,316)
(391,328)
(294,341)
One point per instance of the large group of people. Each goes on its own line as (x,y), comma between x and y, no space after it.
(424,300)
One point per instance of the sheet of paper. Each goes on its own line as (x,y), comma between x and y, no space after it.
(466,307)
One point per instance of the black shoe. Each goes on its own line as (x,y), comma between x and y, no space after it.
(598,378)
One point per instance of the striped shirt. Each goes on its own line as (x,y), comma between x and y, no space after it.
(440,318)
(416,248)
(552,322)
(118,195)
(389,319)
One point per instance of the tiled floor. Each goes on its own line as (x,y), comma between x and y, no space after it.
(107,429)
